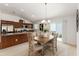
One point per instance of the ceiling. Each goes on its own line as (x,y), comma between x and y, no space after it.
(39,11)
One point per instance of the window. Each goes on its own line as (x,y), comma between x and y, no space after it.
(52,27)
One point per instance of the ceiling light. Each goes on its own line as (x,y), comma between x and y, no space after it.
(43,21)
(22,10)
(48,21)
(33,15)
(43,17)
(6,4)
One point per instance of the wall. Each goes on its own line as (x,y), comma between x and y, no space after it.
(78,43)
(69,30)
(78,38)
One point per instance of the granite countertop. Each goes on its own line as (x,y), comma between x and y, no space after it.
(17,33)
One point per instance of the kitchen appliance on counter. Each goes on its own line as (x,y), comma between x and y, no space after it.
(7,28)
(23,29)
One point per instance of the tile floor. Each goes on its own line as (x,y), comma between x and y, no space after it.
(66,50)
(22,50)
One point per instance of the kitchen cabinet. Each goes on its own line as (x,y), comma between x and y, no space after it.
(17,24)
(7,41)
(11,40)
(11,37)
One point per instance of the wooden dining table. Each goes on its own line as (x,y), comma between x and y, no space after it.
(42,44)
(44,40)
(47,41)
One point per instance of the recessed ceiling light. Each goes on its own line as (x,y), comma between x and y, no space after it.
(6,4)
(33,15)
(22,10)
(43,17)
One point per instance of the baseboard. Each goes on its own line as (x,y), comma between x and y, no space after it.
(70,44)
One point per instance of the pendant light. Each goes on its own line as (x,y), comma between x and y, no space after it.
(45,20)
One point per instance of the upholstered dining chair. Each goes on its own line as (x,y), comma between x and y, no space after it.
(34,50)
(50,48)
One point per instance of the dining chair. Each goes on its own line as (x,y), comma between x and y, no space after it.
(34,49)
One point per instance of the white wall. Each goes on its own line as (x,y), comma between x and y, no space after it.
(78,43)
(78,38)
(69,30)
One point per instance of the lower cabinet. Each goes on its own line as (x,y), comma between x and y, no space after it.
(7,41)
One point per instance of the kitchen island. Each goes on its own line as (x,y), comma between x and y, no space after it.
(11,39)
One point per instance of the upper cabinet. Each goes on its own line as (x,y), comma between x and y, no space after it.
(19,24)
(8,28)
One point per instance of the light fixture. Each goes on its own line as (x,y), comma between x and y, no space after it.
(6,4)
(43,17)
(43,21)
(22,10)
(33,16)
(48,21)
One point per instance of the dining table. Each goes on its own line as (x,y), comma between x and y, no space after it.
(42,43)
(46,41)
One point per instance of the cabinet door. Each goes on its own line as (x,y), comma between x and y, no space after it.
(21,38)
(7,41)
(16,25)
(11,40)
(3,42)
(24,38)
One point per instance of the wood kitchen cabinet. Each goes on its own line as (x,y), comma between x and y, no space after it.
(17,24)
(15,38)
(7,41)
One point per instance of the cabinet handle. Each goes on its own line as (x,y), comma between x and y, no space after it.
(16,40)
